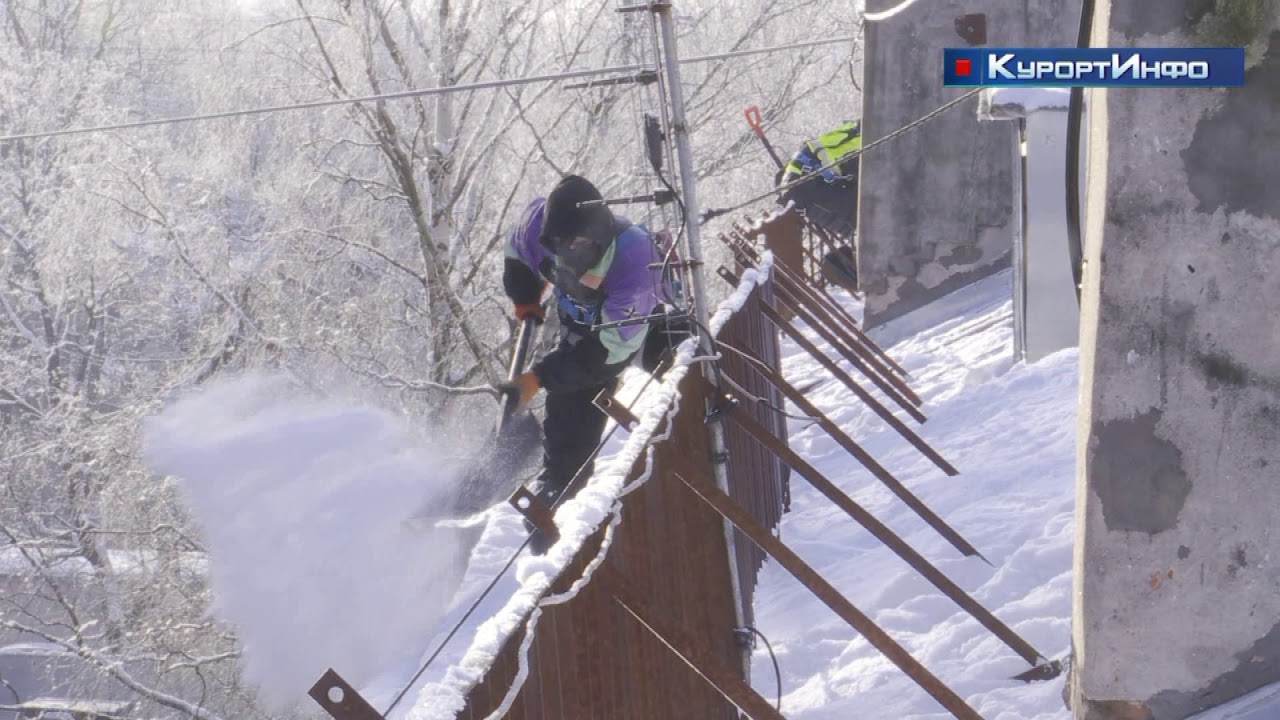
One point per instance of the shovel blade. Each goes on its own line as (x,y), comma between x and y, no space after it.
(496,473)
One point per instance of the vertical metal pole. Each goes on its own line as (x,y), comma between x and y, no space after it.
(693,252)
(1019,173)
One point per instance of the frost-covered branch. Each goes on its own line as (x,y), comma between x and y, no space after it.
(113,668)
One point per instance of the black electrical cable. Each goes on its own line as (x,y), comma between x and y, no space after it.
(669,274)
(1075,111)
(817,173)
(667,138)
(777,672)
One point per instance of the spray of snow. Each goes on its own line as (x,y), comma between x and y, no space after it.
(301,503)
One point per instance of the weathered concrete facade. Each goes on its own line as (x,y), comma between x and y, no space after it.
(935,208)
(1177,566)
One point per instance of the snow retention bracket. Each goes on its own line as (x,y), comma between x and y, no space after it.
(740,241)
(340,700)
(865,626)
(620,413)
(842,439)
(836,326)
(887,536)
(867,398)
(536,512)
(844,335)
(882,474)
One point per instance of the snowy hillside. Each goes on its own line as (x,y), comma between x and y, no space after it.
(1010,429)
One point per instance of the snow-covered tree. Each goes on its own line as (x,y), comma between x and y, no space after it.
(355,244)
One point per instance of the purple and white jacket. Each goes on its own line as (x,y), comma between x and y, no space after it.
(622,285)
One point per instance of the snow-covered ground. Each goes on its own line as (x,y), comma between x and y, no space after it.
(1010,429)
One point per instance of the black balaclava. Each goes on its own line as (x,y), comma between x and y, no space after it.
(566,217)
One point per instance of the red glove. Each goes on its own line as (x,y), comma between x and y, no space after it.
(524,387)
(529,311)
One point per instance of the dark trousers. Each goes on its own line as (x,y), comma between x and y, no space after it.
(570,433)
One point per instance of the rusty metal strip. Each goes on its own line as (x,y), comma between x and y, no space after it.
(833,599)
(860,351)
(1040,673)
(535,511)
(340,700)
(887,536)
(845,322)
(866,397)
(870,463)
(785,326)
(620,413)
(798,294)
(892,385)
(836,334)
(687,647)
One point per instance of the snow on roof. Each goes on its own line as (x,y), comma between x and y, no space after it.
(1261,704)
(444,696)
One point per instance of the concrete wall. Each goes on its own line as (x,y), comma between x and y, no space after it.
(1177,566)
(935,208)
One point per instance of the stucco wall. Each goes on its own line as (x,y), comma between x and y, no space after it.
(935,207)
(1178,552)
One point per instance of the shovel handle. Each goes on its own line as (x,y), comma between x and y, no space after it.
(756,121)
(519,356)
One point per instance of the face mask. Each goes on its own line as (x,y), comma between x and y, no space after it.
(579,254)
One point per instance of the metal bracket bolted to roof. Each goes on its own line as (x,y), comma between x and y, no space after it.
(340,700)
(620,413)
(536,512)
